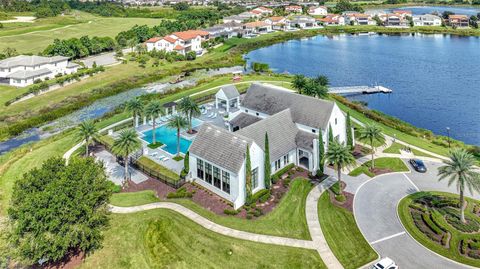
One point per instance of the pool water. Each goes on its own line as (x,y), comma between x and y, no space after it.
(168,137)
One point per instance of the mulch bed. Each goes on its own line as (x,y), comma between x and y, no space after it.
(68,262)
(348,203)
(360,151)
(159,187)
(380,171)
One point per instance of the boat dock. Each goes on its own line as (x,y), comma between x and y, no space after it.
(359,90)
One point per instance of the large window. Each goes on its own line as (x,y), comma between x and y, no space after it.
(226,182)
(278,164)
(255,178)
(200,169)
(208,173)
(285,160)
(216,177)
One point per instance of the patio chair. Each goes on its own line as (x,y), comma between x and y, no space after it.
(166,159)
(161,157)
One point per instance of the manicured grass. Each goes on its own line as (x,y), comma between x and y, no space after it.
(164,239)
(177,158)
(366,141)
(156,145)
(394,164)
(78,25)
(158,168)
(396,147)
(287,219)
(342,235)
(133,198)
(453,251)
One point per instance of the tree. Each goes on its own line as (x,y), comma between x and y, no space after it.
(154,110)
(186,164)
(124,145)
(10,52)
(349,131)
(135,106)
(267,165)
(58,210)
(372,133)
(330,134)
(178,122)
(248,176)
(190,108)
(299,82)
(321,154)
(322,80)
(86,131)
(180,6)
(461,170)
(340,156)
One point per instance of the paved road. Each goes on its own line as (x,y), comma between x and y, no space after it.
(375,209)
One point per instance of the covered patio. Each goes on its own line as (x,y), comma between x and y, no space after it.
(227,97)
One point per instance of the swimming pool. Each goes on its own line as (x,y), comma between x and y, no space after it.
(168,137)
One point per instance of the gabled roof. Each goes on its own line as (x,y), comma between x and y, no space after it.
(256,24)
(179,47)
(220,147)
(243,120)
(33,60)
(230,91)
(281,130)
(276,18)
(305,110)
(26,74)
(153,40)
(190,34)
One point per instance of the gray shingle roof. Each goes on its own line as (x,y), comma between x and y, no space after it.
(26,74)
(281,130)
(305,110)
(243,120)
(33,60)
(230,91)
(220,147)
(305,140)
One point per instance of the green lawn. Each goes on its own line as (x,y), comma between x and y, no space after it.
(342,235)
(453,251)
(163,239)
(396,147)
(367,142)
(133,198)
(152,165)
(394,164)
(76,25)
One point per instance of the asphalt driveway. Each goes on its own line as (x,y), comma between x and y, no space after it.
(375,209)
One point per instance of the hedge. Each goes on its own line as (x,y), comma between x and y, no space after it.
(261,195)
(281,172)
(147,164)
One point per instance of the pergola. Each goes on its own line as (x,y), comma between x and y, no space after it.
(170,108)
(228,97)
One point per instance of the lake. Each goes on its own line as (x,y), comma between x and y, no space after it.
(435,78)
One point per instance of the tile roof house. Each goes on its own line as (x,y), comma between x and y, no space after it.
(332,19)
(317,11)
(23,70)
(427,20)
(278,22)
(359,19)
(257,27)
(303,22)
(264,11)
(292,123)
(458,20)
(181,42)
(294,9)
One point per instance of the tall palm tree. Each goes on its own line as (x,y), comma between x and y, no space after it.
(372,133)
(125,144)
(299,82)
(190,108)
(154,110)
(340,156)
(461,169)
(135,106)
(86,132)
(178,122)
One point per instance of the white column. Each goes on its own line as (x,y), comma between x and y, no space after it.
(216,102)
(144,120)
(228,105)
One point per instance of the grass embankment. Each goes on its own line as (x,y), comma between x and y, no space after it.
(396,147)
(453,250)
(287,219)
(158,239)
(392,164)
(133,198)
(35,37)
(154,167)
(342,235)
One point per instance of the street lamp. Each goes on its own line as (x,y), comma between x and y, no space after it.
(448,136)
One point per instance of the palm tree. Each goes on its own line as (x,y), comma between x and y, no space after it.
(322,80)
(372,133)
(135,106)
(178,122)
(340,156)
(190,109)
(461,169)
(299,82)
(125,144)
(86,131)
(154,110)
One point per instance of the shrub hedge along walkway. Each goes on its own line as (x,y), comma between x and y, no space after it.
(433,219)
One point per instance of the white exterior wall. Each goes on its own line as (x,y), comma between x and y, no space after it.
(292,158)
(318,11)
(253,112)
(338,129)
(55,68)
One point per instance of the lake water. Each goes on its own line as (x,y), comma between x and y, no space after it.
(420,10)
(435,78)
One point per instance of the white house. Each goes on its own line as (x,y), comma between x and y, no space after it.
(427,20)
(359,19)
(332,20)
(23,70)
(303,22)
(293,9)
(257,27)
(292,122)
(264,11)
(317,11)
(278,23)
(181,42)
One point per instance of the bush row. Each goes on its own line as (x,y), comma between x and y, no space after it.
(180,193)
(281,172)
(260,196)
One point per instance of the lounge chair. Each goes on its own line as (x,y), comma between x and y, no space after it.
(166,159)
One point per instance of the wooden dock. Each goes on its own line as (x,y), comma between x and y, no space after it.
(359,90)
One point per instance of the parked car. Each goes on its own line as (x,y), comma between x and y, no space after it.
(418,165)
(385,263)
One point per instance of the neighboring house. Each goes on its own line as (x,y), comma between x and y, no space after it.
(458,20)
(292,122)
(23,70)
(317,11)
(293,9)
(403,13)
(257,27)
(278,23)
(303,22)
(332,20)
(264,11)
(359,19)
(226,30)
(180,42)
(394,20)
(235,19)
(427,20)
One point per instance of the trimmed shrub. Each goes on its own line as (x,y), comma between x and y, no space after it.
(340,198)
(286,182)
(180,193)
(261,195)
(428,221)
(281,172)
(231,212)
